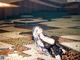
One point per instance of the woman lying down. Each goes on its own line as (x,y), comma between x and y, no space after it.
(47,44)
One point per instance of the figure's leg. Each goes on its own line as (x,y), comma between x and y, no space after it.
(58,57)
(51,52)
(45,51)
(57,52)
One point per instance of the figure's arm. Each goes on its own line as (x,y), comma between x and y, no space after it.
(47,39)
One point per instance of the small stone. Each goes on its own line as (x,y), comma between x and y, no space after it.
(40,59)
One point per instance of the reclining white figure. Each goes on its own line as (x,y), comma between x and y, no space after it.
(37,40)
(46,44)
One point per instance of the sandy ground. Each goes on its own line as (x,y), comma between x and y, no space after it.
(12,35)
(75,37)
(33,54)
(5,45)
(72,45)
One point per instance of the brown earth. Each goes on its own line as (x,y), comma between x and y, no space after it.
(71,55)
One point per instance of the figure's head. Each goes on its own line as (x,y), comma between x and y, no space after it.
(37,30)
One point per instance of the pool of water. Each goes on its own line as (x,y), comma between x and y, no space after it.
(50,15)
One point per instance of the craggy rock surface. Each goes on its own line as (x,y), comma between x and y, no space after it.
(29,52)
(71,55)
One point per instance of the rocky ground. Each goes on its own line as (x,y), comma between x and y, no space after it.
(65,30)
(30,51)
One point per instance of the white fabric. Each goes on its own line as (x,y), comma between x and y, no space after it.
(58,57)
(47,39)
(39,42)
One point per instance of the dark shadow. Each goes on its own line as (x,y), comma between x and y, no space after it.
(25,33)
(26,20)
(45,27)
(31,25)
(76,20)
(3,31)
(4,26)
(64,47)
(56,38)
(67,17)
(76,40)
(75,27)
(1,23)
(7,23)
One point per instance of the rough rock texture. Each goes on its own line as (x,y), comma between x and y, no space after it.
(4,51)
(21,48)
(71,55)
